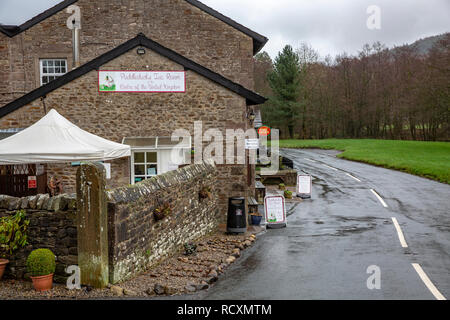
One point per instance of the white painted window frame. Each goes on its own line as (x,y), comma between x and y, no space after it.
(144,150)
(133,163)
(50,74)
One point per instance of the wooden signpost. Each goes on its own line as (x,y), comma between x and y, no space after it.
(275,212)
(304,186)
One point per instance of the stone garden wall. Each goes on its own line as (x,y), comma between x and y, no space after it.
(137,240)
(52,225)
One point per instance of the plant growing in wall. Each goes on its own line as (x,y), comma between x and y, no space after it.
(41,265)
(13,235)
(190,248)
(204,193)
(162,211)
(282,186)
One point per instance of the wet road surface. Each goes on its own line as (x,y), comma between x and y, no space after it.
(332,238)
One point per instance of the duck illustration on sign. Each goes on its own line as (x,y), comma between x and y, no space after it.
(107,84)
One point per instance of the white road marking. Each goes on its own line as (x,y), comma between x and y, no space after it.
(400,233)
(428,282)
(330,167)
(379,198)
(353,177)
(310,160)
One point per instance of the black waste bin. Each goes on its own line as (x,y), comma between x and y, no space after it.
(236,221)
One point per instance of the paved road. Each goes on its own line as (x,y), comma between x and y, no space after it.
(334,237)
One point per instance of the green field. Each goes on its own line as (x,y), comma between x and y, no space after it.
(426,159)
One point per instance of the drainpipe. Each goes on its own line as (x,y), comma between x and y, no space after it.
(76,46)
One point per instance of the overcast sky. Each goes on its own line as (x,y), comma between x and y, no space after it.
(330,26)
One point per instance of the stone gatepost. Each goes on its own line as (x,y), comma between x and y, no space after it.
(92,225)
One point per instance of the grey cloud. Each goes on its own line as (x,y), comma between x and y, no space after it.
(330,26)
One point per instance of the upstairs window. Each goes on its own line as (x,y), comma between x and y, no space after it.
(51,69)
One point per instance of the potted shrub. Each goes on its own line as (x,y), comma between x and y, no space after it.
(282,186)
(255,218)
(288,194)
(3,263)
(13,235)
(41,265)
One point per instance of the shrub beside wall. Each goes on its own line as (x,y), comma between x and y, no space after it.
(52,226)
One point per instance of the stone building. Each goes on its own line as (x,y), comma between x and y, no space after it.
(39,71)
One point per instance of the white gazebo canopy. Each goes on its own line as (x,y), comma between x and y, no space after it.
(56,139)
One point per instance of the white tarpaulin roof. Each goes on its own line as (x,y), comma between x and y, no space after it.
(56,139)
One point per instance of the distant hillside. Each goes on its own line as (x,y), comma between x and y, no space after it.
(424,45)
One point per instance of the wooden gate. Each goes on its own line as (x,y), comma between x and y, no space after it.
(14,180)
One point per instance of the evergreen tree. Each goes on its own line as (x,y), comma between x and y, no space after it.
(283,107)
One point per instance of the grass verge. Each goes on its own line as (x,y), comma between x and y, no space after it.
(426,159)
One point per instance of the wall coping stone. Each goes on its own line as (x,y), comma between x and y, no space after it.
(61,202)
(133,192)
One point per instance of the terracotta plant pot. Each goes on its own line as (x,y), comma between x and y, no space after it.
(43,283)
(3,263)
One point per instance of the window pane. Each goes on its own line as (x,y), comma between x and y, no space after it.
(50,63)
(63,69)
(57,69)
(44,70)
(152,157)
(139,169)
(139,157)
(44,80)
(63,63)
(151,170)
(44,63)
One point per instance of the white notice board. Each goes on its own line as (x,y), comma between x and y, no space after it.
(251,144)
(304,184)
(275,210)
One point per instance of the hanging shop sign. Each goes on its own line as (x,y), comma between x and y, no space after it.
(304,186)
(141,81)
(275,211)
(32,182)
(264,131)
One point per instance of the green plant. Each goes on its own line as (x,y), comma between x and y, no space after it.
(288,194)
(13,232)
(162,211)
(190,248)
(41,262)
(282,186)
